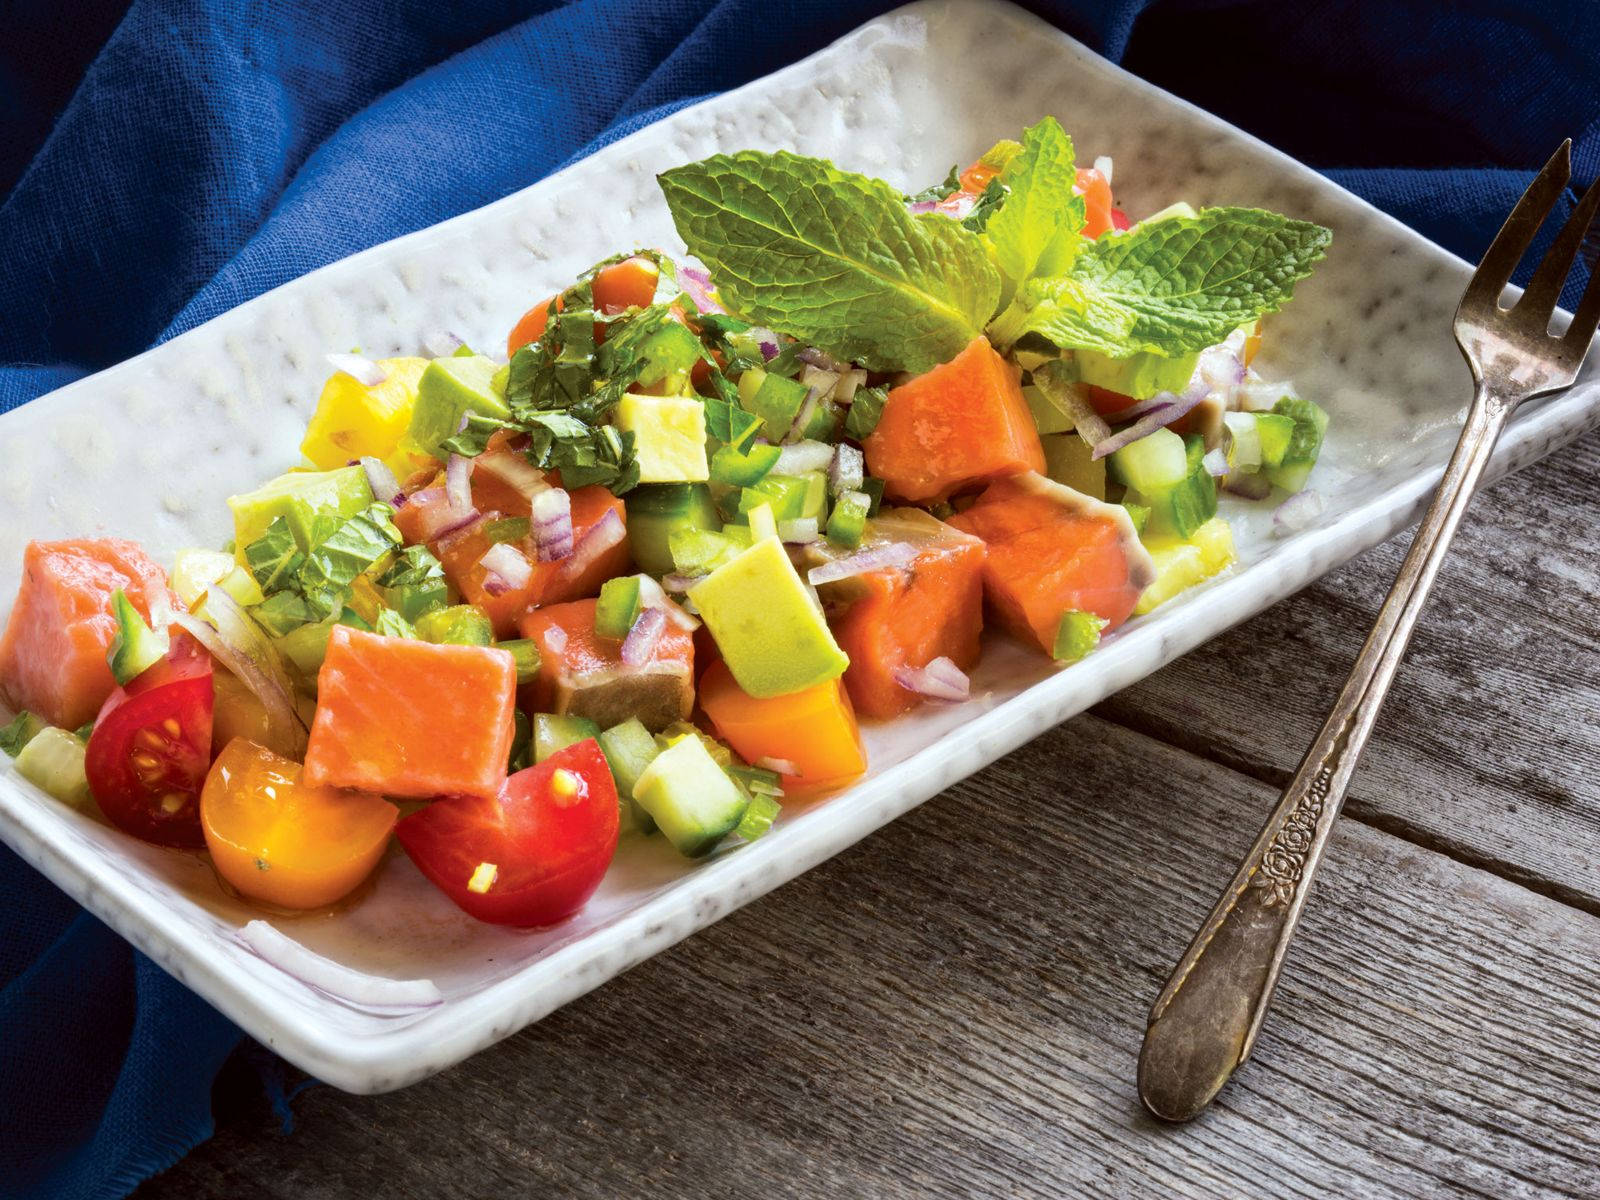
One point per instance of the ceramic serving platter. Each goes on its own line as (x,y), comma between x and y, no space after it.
(151,448)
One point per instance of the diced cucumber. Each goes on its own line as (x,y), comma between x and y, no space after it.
(1185,506)
(525,653)
(1305,443)
(786,493)
(552,732)
(134,645)
(458,625)
(737,469)
(1070,460)
(699,551)
(306,647)
(1152,465)
(1076,635)
(823,423)
(618,607)
(690,797)
(759,814)
(1139,514)
(521,756)
(1259,439)
(53,762)
(657,511)
(630,748)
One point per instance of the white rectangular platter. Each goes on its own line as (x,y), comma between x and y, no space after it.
(150,449)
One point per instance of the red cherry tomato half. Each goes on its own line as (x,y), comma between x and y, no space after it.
(151,747)
(532,855)
(1119,219)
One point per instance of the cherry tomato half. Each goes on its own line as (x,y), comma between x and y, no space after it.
(151,746)
(532,855)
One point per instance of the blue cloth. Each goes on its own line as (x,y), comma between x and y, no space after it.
(164,160)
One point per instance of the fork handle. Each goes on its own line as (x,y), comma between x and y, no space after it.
(1207,1017)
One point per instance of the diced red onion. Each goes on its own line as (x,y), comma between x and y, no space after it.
(605,533)
(847,471)
(505,563)
(922,206)
(651,595)
(680,583)
(1220,370)
(821,380)
(799,531)
(781,765)
(242,646)
(799,457)
(550,520)
(640,644)
(767,340)
(514,470)
(443,343)
(1156,418)
(1073,400)
(1103,165)
(556,639)
(1250,487)
(369,993)
(458,482)
(1216,462)
(849,383)
(439,516)
(891,554)
(697,286)
(381,480)
(941,679)
(821,359)
(1260,396)
(1298,511)
(361,369)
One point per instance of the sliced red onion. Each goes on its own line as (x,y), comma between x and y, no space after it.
(556,638)
(242,646)
(505,563)
(514,470)
(1072,400)
(640,644)
(439,516)
(605,533)
(849,383)
(799,531)
(1216,462)
(941,679)
(550,519)
(680,583)
(697,286)
(1298,511)
(361,369)
(803,418)
(443,343)
(381,480)
(1156,418)
(1103,165)
(1250,487)
(370,993)
(781,765)
(767,340)
(651,595)
(847,471)
(458,482)
(891,554)
(822,360)
(799,457)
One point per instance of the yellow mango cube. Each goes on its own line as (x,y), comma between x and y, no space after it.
(353,420)
(1180,564)
(669,437)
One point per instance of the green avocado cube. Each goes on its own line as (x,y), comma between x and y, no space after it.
(449,389)
(669,437)
(770,630)
(312,503)
(1138,376)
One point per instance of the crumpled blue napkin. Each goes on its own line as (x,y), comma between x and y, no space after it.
(165,160)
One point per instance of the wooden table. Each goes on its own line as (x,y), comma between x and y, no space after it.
(954,1006)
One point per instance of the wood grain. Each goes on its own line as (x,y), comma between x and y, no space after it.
(953,1008)
(1489,746)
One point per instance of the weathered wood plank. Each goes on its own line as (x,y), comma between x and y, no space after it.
(1489,746)
(954,1008)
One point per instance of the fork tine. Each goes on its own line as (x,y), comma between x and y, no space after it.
(1512,242)
(1584,321)
(1544,290)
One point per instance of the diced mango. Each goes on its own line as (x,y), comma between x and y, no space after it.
(669,437)
(354,420)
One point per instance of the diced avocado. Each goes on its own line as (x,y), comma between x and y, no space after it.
(448,389)
(768,626)
(690,797)
(53,762)
(134,645)
(314,503)
(1076,635)
(629,748)
(774,399)
(22,729)
(1070,460)
(458,625)
(657,511)
(354,419)
(1182,563)
(1138,376)
(305,648)
(669,437)
(1046,416)
(618,607)
(193,571)
(552,732)
(1305,443)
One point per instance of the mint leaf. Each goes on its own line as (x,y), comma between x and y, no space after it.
(865,411)
(274,557)
(414,584)
(348,551)
(833,258)
(1039,227)
(1171,287)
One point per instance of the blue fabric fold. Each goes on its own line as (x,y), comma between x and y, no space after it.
(164,160)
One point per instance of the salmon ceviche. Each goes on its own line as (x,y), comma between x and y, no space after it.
(646,574)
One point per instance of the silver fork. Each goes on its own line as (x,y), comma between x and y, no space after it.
(1207,1017)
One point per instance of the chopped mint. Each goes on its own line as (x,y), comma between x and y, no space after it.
(392,624)
(945,188)
(352,548)
(415,584)
(23,728)
(865,411)
(989,202)
(281,612)
(833,258)
(274,558)
(730,424)
(473,439)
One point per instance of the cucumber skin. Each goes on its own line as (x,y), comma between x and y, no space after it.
(552,732)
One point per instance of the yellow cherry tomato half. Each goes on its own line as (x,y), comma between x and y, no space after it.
(283,841)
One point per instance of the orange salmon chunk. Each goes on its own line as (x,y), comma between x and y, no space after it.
(407,718)
(53,652)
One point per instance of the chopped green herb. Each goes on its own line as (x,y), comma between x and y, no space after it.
(281,612)
(392,624)
(351,549)
(866,409)
(23,728)
(460,625)
(274,558)
(415,584)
